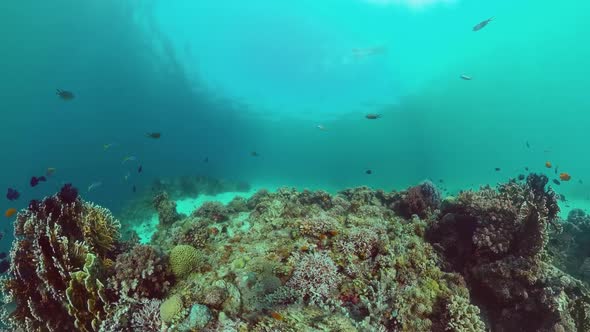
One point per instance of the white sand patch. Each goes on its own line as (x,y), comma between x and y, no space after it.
(145,228)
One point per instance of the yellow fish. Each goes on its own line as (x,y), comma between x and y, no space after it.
(50,171)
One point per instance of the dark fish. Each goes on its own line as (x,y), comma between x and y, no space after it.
(206,160)
(369,171)
(556,168)
(556,182)
(139,169)
(497,169)
(65,95)
(441,181)
(2,255)
(154,135)
(134,189)
(528,145)
(562,197)
(4,266)
(12,194)
(372,116)
(526,169)
(254,154)
(580,182)
(35,180)
(521,177)
(482,24)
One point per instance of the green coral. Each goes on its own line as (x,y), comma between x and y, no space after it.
(170,308)
(184,259)
(86,299)
(463,316)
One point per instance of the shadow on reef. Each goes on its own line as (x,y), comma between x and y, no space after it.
(361,260)
(496,239)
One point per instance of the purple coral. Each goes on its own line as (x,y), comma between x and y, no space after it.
(143,272)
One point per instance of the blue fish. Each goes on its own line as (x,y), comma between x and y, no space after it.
(482,24)
(12,194)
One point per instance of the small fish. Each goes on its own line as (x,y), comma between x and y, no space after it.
(521,177)
(12,194)
(154,135)
(276,315)
(206,160)
(65,95)
(107,146)
(2,255)
(129,158)
(482,24)
(134,188)
(556,182)
(562,197)
(466,77)
(373,116)
(441,181)
(526,169)
(321,127)
(556,168)
(10,212)
(139,169)
(126,177)
(254,154)
(565,177)
(528,145)
(580,182)
(50,171)
(94,185)
(369,172)
(497,169)
(35,180)
(548,164)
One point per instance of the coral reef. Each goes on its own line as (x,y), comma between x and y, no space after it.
(496,239)
(360,260)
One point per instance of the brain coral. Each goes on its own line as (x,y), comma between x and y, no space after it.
(184,259)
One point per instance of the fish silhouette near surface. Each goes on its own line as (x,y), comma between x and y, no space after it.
(482,24)
(373,116)
(65,95)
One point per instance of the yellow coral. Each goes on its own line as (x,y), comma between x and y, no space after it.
(170,308)
(100,228)
(184,259)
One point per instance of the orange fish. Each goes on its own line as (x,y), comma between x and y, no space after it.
(10,212)
(276,315)
(564,177)
(548,164)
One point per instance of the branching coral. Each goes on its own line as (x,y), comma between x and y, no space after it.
(143,272)
(57,263)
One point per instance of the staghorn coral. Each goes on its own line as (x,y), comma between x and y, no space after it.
(57,264)
(142,272)
(146,318)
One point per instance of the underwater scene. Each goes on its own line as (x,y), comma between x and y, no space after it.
(287,166)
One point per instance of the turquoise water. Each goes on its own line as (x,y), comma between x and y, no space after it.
(220,79)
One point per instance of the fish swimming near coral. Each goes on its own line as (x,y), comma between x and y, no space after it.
(373,116)
(369,172)
(548,164)
(564,177)
(10,212)
(154,135)
(2,255)
(65,95)
(528,145)
(556,182)
(94,185)
(12,194)
(139,169)
(35,180)
(497,169)
(482,24)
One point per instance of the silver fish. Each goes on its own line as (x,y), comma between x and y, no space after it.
(482,24)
